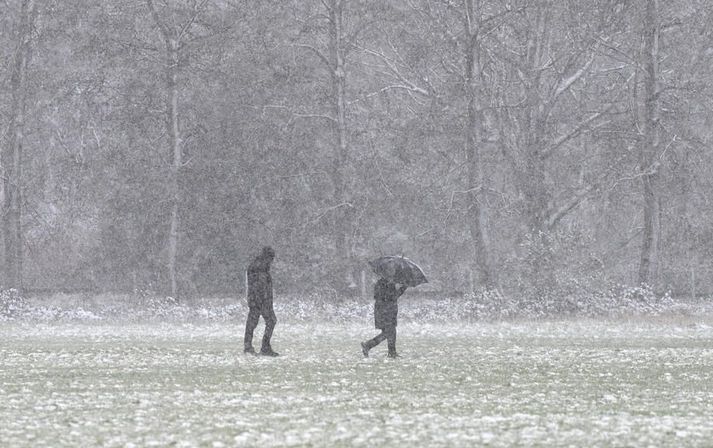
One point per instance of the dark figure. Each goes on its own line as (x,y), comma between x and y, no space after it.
(260,301)
(386,310)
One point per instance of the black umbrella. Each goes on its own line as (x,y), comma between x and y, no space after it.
(398,270)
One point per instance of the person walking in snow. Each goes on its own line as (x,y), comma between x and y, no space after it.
(260,302)
(386,310)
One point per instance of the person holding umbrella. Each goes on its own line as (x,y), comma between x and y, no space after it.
(397,273)
(386,310)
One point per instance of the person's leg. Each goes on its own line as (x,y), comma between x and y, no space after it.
(253,318)
(371,343)
(270,322)
(391,341)
(378,339)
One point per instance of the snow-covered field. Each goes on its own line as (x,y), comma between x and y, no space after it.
(642,382)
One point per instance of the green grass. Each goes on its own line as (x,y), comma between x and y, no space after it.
(565,383)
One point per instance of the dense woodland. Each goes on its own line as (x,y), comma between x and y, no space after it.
(537,147)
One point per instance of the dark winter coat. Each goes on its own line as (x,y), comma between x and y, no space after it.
(386,307)
(260,283)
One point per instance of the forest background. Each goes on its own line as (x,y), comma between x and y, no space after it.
(538,148)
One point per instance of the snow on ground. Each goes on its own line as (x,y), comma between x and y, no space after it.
(642,382)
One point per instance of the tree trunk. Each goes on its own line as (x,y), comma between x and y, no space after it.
(176,159)
(172,43)
(340,160)
(536,193)
(12,155)
(473,141)
(648,122)
(537,196)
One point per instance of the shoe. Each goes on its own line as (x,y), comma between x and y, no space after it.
(394,355)
(269,352)
(249,351)
(365,349)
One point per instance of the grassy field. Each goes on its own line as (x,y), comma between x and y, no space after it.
(563,383)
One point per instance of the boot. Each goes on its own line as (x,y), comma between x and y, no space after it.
(365,349)
(268,351)
(249,350)
(393,354)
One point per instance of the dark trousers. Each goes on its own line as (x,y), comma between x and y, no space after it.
(388,334)
(254,314)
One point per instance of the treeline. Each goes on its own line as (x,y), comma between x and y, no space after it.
(540,147)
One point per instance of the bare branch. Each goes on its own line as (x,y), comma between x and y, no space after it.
(190,21)
(566,83)
(165,32)
(577,130)
(324,117)
(319,54)
(332,208)
(394,71)
(577,198)
(298,114)
(409,89)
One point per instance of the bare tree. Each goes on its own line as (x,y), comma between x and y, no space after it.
(12,151)
(475,141)
(550,58)
(174,38)
(649,139)
(333,57)
(457,63)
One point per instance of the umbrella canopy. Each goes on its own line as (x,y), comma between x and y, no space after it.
(398,270)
